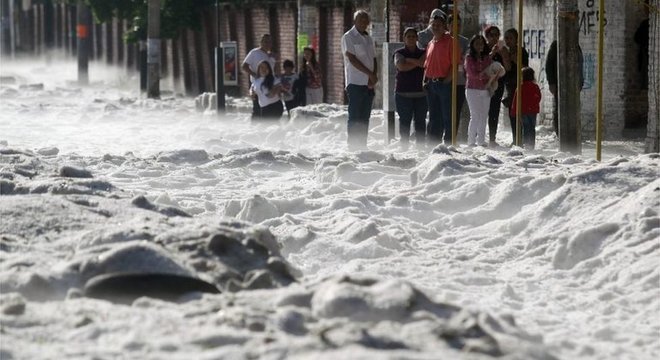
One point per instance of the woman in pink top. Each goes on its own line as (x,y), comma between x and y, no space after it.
(478,79)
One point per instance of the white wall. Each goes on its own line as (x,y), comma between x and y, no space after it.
(623,96)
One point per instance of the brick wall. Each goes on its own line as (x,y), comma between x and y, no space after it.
(625,103)
(241,38)
(286,31)
(335,61)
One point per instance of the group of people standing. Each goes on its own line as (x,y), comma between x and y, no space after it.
(487,78)
(271,90)
(486,70)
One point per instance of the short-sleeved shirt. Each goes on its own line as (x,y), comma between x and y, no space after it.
(438,57)
(287,86)
(255,57)
(475,69)
(362,46)
(262,92)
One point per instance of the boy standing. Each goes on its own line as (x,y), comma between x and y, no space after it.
(288,80)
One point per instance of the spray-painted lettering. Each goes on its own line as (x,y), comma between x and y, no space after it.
(589,18)
(534,42)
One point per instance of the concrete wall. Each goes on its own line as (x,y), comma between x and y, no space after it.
(625,100)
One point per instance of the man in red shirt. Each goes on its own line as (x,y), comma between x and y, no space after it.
(437,78)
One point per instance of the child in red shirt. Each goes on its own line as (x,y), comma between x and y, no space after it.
(530,107)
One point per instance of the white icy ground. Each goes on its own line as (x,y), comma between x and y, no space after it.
(451,253)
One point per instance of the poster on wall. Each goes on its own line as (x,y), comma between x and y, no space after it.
(229,62)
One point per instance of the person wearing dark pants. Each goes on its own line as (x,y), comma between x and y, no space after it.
(499,53)
(494,112)
(360,72)
(252,60)
(438,96)
(437,80)
(267,89)
(511,77)
(530,107)
(360,100)
(551,78)
(410,108)
(408,91)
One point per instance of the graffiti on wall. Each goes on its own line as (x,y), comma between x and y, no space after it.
(589,71)
(491,16)
(589,18)
(469,14)
(534,42)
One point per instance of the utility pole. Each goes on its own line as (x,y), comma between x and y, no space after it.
(84,20)
(568,75)
(153,49)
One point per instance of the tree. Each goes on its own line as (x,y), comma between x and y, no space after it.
(175,15)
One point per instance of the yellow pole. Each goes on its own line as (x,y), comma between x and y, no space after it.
(599,90)
(454,73)
(518,105)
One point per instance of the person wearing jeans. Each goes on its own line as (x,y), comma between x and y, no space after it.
(437,79)
(499,53)
(360,72)
(530,107)
(408,91)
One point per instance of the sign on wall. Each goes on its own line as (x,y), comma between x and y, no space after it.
(230,62)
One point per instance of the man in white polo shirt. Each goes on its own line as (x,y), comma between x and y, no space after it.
(361,77)
(251,63)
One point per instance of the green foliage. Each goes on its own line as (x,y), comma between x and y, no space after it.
(175,15)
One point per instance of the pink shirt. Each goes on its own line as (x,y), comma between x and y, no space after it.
(475,78)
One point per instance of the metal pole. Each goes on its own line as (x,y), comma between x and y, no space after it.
(391,118)
(142,65)
(219,67)
(599,90)
(83,19)
(12,29)
(518,139)
(387,20)
(153,49)
(454,72)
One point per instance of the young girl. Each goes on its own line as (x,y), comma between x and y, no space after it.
(479,76)
(311,71)
(267,89)
(530,106)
